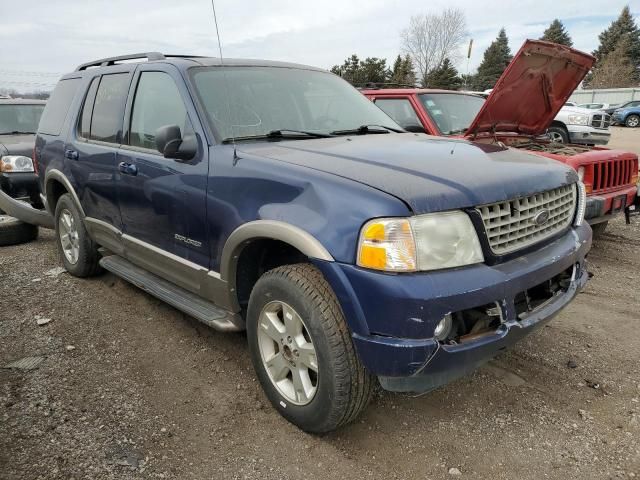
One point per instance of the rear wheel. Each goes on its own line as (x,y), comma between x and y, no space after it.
(14,231)
(632,121)
(599,228)
(79,253)
(302,351)
(558,134)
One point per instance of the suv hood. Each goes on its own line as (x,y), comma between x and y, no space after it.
(430,174)
(17,144)
(532,90)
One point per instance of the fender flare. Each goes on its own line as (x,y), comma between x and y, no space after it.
(57,175)
(270,229)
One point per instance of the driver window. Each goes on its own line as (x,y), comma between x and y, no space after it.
(400,110)
(157,103)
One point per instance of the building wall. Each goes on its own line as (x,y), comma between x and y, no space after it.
(605,95)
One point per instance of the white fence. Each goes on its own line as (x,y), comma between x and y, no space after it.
(605,95)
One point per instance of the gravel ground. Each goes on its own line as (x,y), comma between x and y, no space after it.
(130,388)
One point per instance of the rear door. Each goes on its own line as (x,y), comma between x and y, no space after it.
(92,146)
(162,200)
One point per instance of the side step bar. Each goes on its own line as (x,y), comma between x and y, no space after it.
(178,297)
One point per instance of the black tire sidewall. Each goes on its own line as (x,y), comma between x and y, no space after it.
(15,232)
(87,255)
(313,416)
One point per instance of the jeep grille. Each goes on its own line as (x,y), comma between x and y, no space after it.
(613,174)
(511,225)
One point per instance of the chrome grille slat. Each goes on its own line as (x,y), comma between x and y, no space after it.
(509,225)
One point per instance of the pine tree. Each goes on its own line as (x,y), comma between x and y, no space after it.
(556,33)
(362,72)
(495,60)
(623,26)
(615,70)
(402,73)
(445,77)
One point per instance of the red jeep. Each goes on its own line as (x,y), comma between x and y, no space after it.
(518,111)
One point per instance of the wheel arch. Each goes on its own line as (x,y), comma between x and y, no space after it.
(57,184)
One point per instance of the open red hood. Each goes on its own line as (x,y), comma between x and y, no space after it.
(533,88)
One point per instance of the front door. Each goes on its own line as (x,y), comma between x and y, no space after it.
(162,200)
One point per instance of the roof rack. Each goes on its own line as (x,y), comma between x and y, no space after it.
(104,62)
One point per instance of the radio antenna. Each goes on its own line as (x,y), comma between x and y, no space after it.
(226,83)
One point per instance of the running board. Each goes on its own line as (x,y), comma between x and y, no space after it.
(185,301)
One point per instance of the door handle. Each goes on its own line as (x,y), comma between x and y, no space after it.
(128,168)
(71,154)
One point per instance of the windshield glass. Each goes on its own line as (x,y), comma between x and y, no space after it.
(260,100)
(452,112)
(20,118)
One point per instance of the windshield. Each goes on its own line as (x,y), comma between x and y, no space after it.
(452,112)
(260,100)
(19,118)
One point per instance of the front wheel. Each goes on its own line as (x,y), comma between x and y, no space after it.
(302,351)
(558,134)
(632,121)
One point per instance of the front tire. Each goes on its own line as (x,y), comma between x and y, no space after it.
(78,252)
(558,134)
(632,121)
(302,351)
(599,228)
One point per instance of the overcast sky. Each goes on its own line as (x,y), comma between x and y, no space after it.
(41,40)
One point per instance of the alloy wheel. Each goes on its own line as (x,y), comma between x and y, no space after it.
(287,352)
(69,239)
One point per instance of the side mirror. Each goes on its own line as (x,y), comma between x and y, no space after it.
(170,144)
(415,128)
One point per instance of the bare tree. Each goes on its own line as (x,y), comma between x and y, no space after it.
(431,38)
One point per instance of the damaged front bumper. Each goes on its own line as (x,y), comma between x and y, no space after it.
(25,212)
(392,317)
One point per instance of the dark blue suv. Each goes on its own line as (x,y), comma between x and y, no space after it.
(276,198)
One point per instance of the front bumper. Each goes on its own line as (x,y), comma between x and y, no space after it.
(602,207)
(21,185)
(584,134)
(392,317)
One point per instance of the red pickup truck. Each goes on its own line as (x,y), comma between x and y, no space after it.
(518,111)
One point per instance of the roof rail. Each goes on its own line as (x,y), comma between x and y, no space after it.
(104,62)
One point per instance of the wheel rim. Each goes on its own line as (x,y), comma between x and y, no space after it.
(556,137)
(633,121)
(68,234)
(287,352)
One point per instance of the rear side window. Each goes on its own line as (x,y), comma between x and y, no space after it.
(84,125)
(108,108)
(57,107)
(157,103)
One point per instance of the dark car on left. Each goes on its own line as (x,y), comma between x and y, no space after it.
(19,120)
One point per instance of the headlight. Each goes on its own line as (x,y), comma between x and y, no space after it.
(582,204)
(424,242)
(578,119)
(16,163)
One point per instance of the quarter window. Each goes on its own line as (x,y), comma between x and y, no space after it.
(108,109)
(57,107)
(157,103)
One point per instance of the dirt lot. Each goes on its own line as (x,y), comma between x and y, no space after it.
(131,388)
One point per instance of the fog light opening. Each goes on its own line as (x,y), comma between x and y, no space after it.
(443,328)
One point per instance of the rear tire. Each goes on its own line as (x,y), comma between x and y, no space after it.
(632,121)
(599,228)
(558,134)
(78,252)
(15,232)
(342,386)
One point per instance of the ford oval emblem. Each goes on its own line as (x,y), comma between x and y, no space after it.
(541,217)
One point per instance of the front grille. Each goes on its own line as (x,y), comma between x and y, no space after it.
(600,120)
(511,225)
(612,174)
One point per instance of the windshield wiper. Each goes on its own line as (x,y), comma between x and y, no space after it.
(281,133)
(17,132)
(366,129)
